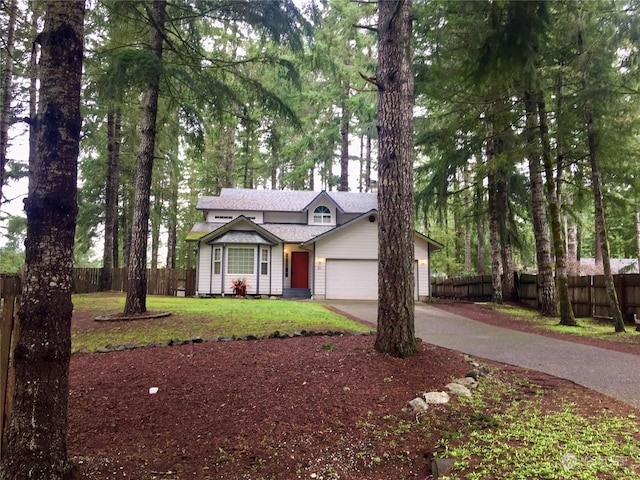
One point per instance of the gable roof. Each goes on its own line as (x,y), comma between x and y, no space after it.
(323,196)
(286,200)
(215,231)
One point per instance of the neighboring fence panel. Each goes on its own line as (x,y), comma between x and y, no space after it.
(580,295)
(162,281)
(599,298)
(476,288)
(628,291)
(10,298)
(528,290)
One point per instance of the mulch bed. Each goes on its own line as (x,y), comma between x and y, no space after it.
(293,408)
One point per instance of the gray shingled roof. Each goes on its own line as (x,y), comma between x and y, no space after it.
(290,233)
(235,236)
(284,200)
(293,233)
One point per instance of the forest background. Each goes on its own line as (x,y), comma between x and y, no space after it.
(240,108)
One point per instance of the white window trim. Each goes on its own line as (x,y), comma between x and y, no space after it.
(264,261)
(322,215)
(217,260)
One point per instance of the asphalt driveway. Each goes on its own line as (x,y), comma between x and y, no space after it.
(612,373)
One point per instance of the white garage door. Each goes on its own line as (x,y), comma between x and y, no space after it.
(352,280)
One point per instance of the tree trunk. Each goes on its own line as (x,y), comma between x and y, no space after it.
(546,283)
(7,90)
(494,240)
(156,221)
(33,84)
(638,238)
(136,301)
(396,329)
(572,247)
(111,196)
(172,223)
(467,249)
(115,247)
(37,439)
(344,144)
(480,228)
(509,292)
(601,230)
(562,282)
(596,186)
(367,169)
(361,171)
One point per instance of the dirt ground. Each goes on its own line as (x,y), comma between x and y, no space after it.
(322,407)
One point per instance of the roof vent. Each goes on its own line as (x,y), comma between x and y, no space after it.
(372,218)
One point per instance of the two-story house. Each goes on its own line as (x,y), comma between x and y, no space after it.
(321,245)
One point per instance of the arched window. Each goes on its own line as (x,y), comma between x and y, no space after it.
(322,214)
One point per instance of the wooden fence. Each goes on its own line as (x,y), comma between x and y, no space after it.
(588,293)
(163,281)
(10,299)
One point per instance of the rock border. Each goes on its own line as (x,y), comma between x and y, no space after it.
(460,387)
(195,340)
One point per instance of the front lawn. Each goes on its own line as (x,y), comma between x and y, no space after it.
(197,317)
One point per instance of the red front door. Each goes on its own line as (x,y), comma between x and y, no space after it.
(299,269)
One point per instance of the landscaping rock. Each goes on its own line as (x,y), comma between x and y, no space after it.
(458,389)
(441,467)
(478,372)
(418,405)
(468,382)
(436,397)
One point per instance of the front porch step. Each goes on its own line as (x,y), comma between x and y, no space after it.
(296,293)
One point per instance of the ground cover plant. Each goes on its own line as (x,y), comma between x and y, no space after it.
(329,407)
(563,440)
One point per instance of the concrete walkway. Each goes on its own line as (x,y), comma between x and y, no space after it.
(606,371)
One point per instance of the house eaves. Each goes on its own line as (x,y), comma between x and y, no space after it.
(201,229)
(435,245)
(430,241)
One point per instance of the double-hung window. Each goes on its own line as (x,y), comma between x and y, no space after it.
(264,261)
(217,261)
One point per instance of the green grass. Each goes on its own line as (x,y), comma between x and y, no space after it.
(205,318)
(587,327)
(523,442)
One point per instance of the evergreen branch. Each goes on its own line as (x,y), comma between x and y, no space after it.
(365,27)
(372,80)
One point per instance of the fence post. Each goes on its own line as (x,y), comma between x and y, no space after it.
(8,340)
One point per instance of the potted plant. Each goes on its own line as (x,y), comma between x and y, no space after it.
(239,287)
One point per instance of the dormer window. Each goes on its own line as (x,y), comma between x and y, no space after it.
(322,214)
